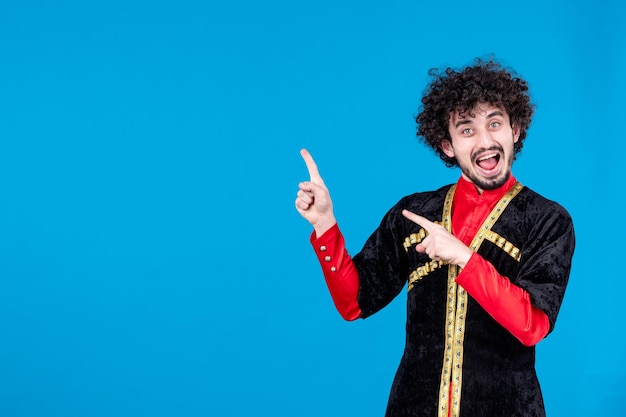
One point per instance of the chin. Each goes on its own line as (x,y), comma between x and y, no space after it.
(492,184)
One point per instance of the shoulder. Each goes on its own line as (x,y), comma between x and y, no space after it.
(536,204)
(424,197)
(425,203)
(541,216)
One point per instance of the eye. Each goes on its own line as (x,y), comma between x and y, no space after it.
(467,131)
(494,125)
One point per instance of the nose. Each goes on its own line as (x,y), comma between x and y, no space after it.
(485,138)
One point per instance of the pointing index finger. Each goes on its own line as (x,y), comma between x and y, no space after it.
(311,166)
(422,221)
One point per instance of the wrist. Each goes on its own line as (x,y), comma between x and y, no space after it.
(463,261)
(322,227)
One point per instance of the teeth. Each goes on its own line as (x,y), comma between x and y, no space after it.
(493,155)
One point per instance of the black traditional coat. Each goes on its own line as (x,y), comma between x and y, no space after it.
(454,348)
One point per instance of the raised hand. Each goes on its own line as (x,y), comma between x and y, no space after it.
(313,201)
(440,245)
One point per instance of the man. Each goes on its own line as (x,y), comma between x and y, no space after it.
(486,260)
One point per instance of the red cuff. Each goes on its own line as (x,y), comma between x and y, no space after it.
(507,303)
(342,277)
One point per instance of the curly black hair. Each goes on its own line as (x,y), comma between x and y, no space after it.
(483,82)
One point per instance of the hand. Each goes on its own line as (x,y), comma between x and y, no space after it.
(440,245)
(313,201)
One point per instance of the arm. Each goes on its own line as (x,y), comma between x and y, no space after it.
(365,284)
(315,205)
(339,271)
(508,304)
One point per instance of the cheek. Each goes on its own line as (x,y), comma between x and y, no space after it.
(463,150)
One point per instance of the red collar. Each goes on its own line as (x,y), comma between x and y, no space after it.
(470,209)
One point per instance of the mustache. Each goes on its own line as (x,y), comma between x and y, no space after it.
(483,150)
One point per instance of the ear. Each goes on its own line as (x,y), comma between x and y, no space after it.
(517,130)
(446,147)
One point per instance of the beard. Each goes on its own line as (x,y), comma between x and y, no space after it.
(489,183)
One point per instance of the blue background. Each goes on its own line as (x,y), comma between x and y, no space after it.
(151,260)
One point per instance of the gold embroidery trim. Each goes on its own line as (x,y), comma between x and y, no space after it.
(456,305)
(503,244)
(485,229)
(422,271)
(415,238)
(448,357)
(486,234)
(459,337)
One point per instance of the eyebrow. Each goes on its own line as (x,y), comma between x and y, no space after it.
(489,116)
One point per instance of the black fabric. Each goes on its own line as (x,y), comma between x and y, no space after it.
(498,371)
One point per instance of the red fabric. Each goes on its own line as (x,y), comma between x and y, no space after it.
(470,209)
(341,275)
(508,304)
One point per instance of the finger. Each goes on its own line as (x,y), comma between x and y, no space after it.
(422,221)
(311,166)
(305,196)
(301,205)
(312,188)
(420,248)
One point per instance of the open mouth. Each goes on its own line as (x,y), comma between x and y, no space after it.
(488,162)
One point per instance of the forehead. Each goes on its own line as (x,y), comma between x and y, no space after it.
(479,111)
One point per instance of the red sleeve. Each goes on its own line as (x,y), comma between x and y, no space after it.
(507,303)
(339,271)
